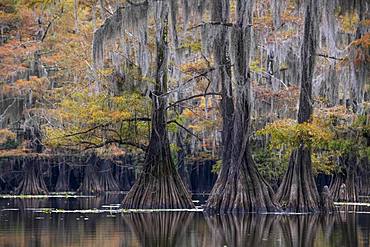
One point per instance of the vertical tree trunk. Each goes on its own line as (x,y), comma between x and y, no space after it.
(32,183)
(240,188)
(75,12)
(298,191)
(90,183)
(351,178)
(107,181)
(63,178)
(335,186)
(159,184)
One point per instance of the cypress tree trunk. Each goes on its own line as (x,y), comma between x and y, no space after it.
(159,184)
(240,188)
(298,191)
(63,178)
(107,181)
(32,182)
(351,178)
(90,183)
(335,186)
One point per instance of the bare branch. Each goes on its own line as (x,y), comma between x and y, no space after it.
(331,57)
(186,129)
(189,98)
(228,24)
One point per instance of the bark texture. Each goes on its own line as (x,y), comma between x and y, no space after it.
(298,191)
(239,187)
(33,182)
(107,181)
(159,184)
(90,183)
(63,179)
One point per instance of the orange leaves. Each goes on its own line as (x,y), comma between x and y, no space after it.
(188,113)
(198,65)
(364,41)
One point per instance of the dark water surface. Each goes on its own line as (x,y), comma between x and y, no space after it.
(34,222)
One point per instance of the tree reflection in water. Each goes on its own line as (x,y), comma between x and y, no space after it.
(28,228)
(160,229)
(340,229)
(299,230)
(239,229)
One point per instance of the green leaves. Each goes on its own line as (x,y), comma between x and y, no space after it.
(89,119)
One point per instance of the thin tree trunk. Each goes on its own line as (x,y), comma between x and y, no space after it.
(75,12)
(63,178)
(159,184)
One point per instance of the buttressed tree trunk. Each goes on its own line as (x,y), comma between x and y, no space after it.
(240,188)
(33,182)
(298,191)
(159,184)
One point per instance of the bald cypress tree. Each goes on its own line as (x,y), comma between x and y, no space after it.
(159,185)
(239,187)
(298,191)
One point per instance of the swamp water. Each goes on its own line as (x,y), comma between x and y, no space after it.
(98,221)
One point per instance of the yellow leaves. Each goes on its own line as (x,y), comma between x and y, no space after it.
(120,115)
(106,71)
(323,163)
(290,134)
(88,119)
(6,135)
(203,125)
(349,22)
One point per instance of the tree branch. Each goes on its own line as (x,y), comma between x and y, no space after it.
(331,57)
(227,24)
(189,98)
(186,129)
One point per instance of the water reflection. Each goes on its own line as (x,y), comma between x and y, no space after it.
(299,230)
(241,229)
(160,229)
(30,228)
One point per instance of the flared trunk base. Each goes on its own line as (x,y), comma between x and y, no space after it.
(241,190)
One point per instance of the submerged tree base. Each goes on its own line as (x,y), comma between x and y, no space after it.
(90,183)
(298,192)
(241,190)
(162,192)
(32,182)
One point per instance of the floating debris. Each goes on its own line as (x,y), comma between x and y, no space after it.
(352,204)
(67,195)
